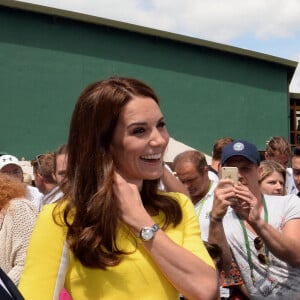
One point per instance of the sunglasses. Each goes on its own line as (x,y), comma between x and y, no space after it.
(259,246)
(37,158)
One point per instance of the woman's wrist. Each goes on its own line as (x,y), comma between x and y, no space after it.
(137,226)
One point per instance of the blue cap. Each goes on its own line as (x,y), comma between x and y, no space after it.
(241,148)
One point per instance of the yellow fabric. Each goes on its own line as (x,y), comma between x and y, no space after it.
(136,277)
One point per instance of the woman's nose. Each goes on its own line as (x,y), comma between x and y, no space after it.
(157,138)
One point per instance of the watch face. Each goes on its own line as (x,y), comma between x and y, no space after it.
(147,233)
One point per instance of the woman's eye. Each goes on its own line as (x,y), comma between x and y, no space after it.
(161,124)
(138,130)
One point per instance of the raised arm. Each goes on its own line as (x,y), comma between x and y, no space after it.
(286,244)
(283,244)
(223,192)
(194,277)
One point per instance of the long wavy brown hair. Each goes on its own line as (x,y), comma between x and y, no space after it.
(10,188)
(91,212)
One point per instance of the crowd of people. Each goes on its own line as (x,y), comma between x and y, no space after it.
(106,218)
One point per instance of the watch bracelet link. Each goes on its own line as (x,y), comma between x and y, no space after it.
(148,233)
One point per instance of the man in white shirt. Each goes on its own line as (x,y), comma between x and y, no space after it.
(45,181)
(192,170)
(261,231)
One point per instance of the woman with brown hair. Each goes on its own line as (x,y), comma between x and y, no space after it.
(125,239)
(17,219)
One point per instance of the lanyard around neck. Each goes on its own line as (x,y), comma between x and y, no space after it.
(203,200)
(249,256)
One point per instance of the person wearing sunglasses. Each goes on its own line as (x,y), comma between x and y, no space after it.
(260,231)
(44,177)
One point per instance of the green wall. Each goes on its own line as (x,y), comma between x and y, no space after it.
(45,62)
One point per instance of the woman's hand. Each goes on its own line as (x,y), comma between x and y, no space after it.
(130,204)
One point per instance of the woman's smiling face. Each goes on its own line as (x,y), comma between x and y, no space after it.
(140,140)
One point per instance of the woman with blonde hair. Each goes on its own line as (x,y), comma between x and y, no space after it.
(272,178)
(17,219)
(279,149)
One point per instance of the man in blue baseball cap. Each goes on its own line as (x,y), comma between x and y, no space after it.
(260,231)
(241,148)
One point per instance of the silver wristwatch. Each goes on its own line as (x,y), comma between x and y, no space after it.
(147,233)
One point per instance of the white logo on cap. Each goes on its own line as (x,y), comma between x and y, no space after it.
(238,146)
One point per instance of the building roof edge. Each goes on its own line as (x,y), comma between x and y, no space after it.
(290,64)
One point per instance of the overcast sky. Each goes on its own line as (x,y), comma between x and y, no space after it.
(266,26)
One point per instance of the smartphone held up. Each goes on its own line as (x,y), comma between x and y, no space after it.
(230,173)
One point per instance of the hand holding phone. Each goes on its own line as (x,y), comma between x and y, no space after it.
(230,173)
